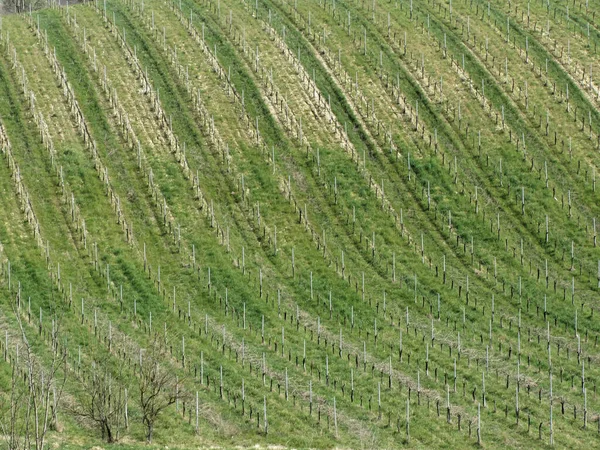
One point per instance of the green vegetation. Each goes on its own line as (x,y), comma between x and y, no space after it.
(306,224)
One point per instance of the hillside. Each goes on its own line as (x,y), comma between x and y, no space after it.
(341,223)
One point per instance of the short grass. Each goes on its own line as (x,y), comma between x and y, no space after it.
(453,231)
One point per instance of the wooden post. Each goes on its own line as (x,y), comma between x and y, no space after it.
(126,412)
(551,426)
(221,379)
(310,402)
(407,420)
(478,424)
(197,411)
(335,418)
(448,404)
(265,423)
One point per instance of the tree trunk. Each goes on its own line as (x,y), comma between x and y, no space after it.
(109,436)
(149,432)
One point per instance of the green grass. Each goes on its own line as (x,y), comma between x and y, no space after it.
(495,269)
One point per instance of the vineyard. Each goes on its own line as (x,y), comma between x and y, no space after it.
(294,223)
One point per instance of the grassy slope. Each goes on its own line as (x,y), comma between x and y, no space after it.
(293,426)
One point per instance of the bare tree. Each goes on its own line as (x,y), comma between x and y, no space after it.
(35,399)
(18,6)
(158,388)
(14,422)
(102,400)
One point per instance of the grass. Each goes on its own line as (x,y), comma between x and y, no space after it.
(343,206)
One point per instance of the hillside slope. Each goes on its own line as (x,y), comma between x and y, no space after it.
(304,224)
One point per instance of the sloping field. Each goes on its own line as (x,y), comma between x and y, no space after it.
(332,223)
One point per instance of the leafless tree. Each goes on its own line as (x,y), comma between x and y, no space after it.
(35,397)
(102,400)
(14,422)
(159,388)
(18,6)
